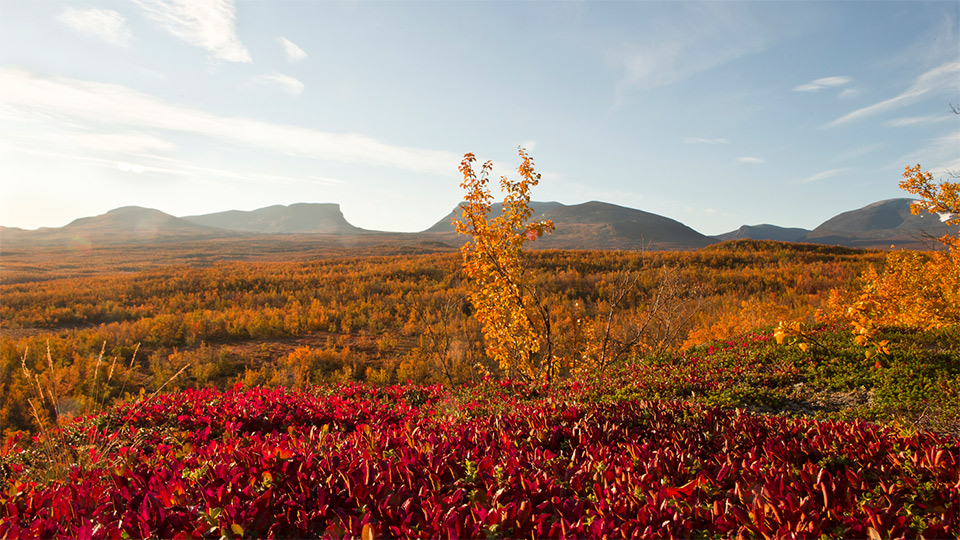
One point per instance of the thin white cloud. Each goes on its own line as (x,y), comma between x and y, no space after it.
(102,107)
(941,77)
(849,93)
(293,52)
(918,120)
(112,142)
(528,145)
(103,24)
(825,82)
(107,163)
(669,52)
(131,167)
(208,24)
(323,180)
(704,140)
(155,164)
(284,82)
(824,174)
(931,46)
(938,155)
(857,152)
(33,127)
(750,159)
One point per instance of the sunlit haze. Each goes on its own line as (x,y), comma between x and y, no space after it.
(716,114)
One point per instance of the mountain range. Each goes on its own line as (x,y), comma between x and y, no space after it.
(590,225)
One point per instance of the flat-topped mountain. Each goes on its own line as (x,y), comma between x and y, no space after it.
(600,225)
(313,218)
(879,225)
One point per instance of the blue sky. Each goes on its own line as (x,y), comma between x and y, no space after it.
(716,114)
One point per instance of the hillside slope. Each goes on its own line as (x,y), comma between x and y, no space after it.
(128,224)
(313,218)
(879,225)
(765,232)
(600,225)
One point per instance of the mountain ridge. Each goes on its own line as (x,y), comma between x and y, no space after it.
(589,225)
(125,224)
(310,218)
(599,225)
(889,221)
(765,231)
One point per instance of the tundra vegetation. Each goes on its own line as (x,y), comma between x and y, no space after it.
(499,393)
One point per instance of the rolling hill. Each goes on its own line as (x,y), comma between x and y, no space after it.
(128,224)
(765,232)
(446,223)
(881,224)
(600,225)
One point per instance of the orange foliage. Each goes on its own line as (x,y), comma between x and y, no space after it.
(918,290)
(516,324)
(407,315)
(942,198)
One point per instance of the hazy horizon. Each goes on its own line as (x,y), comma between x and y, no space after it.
(435,222)
(716,115)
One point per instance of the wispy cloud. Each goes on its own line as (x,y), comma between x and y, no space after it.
(528,145)
(918,120)
(825,82)
(102,107)
(941,77)
(849,93)
(285,82)
(131,167)
(750,159)
(857,152)
(140,163)
(111,142)
(704,140)
(670,52)
(824,174)
(293,52)
(104,24)
(938,155)
(36,128)
(208,24)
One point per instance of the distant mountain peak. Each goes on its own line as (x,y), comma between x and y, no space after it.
(881,224)
(129,219)
(765,231)
(313,218)
(600,225)
(496,209)
(590,225)
(127,224)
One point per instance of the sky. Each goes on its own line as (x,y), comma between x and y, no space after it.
(716,114)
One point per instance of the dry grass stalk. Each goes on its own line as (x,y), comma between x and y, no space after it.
(60,455)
